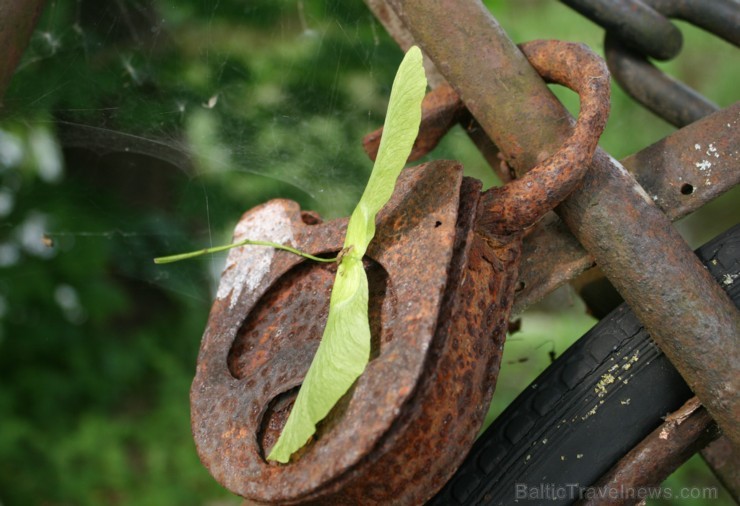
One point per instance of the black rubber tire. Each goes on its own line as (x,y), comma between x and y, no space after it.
(593,404)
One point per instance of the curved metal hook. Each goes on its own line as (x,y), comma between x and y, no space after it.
(519,204)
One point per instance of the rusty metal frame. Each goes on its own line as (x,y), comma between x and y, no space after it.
(637,249)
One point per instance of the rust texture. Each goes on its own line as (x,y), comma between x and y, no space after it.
(522,202)
(474,54)
(649,463)
(392,23)
(423,393)
(681,173)
(673,172)
(438,323)
(725,464)
(552,256)
(17,21)
(655,271)
(571,65)
(441,110)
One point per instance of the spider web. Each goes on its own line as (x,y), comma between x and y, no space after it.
(190,114)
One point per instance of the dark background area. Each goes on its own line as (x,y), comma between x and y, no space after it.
(136,129)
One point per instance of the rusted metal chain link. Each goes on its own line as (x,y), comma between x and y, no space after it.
(695,323)
(638,29)
(637,24)
(518,204)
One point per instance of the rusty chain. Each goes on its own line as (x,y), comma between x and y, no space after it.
(637,263)
(641,29)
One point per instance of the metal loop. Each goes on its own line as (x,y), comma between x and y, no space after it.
(663,95)
(522,202)
(668,98)
(636,23)
(718,17)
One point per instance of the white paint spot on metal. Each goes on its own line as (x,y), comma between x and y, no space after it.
(697,147)
(712,151)
(247,266)
(703,165)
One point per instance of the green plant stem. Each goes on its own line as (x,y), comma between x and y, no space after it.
(245,242)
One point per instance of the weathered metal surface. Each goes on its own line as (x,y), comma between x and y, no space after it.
(611,215)
(570,65)
(522,202)
(274,315)
(401,35)
(646,466)
(680,173)
(720,17)
(665,96)
(395,27)
(552,256)
(670,99)
(441,110)
(634,23)
(438,321)
(17,21)
(691,166)
(724,461)
(490,60)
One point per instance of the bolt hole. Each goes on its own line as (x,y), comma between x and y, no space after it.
(310,218)
(437,224)
(687,189)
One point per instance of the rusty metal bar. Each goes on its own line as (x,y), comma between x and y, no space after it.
(17,21)
(395,27)
(685,311)
(648,464)
(725,464)
(680,173)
